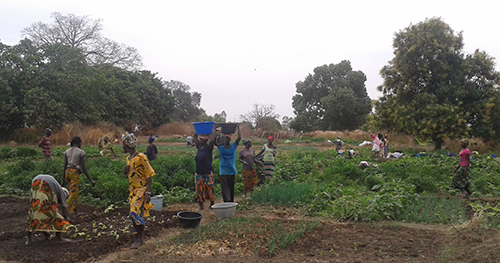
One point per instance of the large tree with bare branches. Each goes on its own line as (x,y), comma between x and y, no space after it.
(84,33)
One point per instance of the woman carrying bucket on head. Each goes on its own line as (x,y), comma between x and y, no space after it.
(227,168)
(204,177)
(269,150)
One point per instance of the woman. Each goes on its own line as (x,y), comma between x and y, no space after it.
(139,173)
(204,177)
(460,177)
(386,145)
(375,145)
(269,150)
(227,168)
(45,145)
(151,150)
(47,212)
(247,158)
(107,147)
(74,165)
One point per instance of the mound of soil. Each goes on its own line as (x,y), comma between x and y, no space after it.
(97,231)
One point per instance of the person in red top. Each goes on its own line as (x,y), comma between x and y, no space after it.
(45,145)
(460,177)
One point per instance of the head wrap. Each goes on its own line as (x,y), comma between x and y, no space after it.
(106,138)
(48,130)
(130,140)
(228,135)
(151,139)
(246,141)
(270,137)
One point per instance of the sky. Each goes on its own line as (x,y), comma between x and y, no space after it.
(241,53)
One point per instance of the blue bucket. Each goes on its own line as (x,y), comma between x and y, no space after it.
(203,128)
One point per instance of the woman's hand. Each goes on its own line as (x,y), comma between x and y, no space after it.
(126,170)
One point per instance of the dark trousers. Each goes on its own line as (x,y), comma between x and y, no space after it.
(227,187)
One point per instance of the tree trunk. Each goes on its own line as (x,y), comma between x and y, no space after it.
(437,144)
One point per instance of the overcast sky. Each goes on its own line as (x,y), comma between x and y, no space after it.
(238,53)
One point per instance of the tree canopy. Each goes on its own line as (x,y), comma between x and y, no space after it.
(84,33)
(432,90)
(333,98)
(187,103)
(54,85)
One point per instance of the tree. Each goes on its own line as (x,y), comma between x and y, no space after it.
(83,33)
(263,114)
(334,98)
(431,90)
(187,104)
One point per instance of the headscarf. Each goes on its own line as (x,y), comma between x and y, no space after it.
(151,139)
(106,138)
(48,130)
(246,141)
(270,137)
(228,135)
(130,140)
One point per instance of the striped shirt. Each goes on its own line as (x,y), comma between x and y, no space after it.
(45,145)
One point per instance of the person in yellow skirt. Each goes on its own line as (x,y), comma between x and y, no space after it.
(74,165)
(139,173)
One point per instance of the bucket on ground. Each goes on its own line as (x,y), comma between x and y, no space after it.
(157,201)
(224,210)
(188,219)
(204,128)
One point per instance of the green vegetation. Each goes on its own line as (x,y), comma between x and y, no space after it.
(321,183)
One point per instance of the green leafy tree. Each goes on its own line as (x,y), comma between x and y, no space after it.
(333,98)
(431,90)
(187,103)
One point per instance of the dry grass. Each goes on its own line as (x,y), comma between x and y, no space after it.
(174,128)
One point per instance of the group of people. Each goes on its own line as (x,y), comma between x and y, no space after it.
(204,180)
(51,202)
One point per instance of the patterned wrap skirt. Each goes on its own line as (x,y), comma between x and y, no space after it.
(139,208)
(460,179)
(204,184)
(73,176)
(269,168)
(43,213)
(250,180)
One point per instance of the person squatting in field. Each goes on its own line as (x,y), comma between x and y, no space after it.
(269,150)
(227,168)
(74,165)
(47,212)
(247,158)
(460,178)
(204,177)
(139,173)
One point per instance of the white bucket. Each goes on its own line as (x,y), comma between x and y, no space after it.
(224,210)
(157,201)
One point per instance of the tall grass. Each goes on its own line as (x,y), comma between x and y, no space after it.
(286,194)
(431,209)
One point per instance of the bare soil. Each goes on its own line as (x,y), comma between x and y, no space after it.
(102,236)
